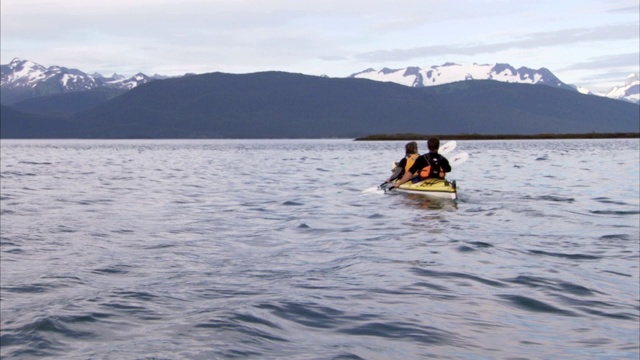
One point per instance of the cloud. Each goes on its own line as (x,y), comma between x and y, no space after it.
(612,77)
(629,60)
(625,10)
(322,37)
(530,41)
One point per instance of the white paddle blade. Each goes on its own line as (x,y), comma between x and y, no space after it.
(459,159)
(373,190)
(447,147)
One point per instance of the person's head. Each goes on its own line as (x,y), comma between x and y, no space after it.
(433,144)
(411,148)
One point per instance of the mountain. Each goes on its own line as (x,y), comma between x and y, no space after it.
(67,103)
(450,72)
(286,105)
(31,125)
(24,79)
(630,91)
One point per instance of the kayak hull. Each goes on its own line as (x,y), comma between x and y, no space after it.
(438,188)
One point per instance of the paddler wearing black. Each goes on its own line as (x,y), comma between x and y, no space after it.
(430,165)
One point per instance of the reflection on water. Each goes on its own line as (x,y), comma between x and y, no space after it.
(428,203)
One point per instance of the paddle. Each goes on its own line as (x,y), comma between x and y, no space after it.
(375,189)
(458,159)
(447,147)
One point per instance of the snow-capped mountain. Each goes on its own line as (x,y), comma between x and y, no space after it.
(23,79)
(27,74)
(630,91)
(450,72)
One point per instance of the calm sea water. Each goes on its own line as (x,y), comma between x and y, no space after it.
(221,249)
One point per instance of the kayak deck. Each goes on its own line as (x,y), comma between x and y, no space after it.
(439,188)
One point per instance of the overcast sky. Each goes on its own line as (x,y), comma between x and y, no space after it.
(592,43)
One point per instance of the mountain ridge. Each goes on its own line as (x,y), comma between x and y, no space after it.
(451,72)
(24,79)
(287,105)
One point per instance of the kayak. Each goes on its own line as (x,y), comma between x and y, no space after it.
(436,188)
(440,188)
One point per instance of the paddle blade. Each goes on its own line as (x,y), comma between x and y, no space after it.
(447,147)
(371,190)
(374,190)
(459,159)
(380,188)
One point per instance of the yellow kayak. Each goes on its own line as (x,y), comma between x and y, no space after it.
(440,188)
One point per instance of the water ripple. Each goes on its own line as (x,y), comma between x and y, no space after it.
(533,305)
(405,331)
(455,275)
(563,255)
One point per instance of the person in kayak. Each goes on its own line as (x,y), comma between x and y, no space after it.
(428,166)
(410,156)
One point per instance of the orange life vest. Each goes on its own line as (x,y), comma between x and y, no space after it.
(411,158)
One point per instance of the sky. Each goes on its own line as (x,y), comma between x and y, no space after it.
(590,43)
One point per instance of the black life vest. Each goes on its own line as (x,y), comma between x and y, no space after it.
(433,169)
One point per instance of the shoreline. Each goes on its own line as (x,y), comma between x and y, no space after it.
(409,136)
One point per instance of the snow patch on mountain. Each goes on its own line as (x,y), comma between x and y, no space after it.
(630,91)
(450,72)
(27,74)
(22,73)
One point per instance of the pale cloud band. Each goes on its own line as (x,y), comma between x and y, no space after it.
(615,60)
(531,41)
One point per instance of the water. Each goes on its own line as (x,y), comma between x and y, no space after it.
(220,249)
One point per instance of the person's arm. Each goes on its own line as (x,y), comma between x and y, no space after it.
(396,173)
(419,164)
(398,170)
(406,177)
(444,164)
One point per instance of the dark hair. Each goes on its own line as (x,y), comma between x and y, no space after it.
(433,144)
(411,148)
